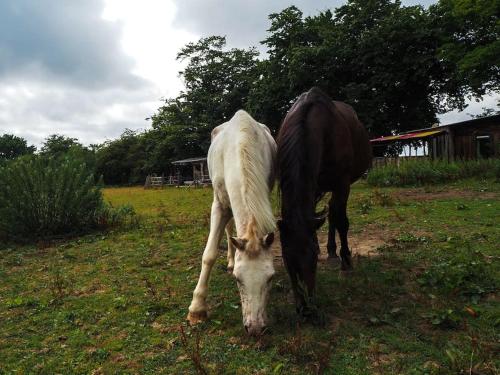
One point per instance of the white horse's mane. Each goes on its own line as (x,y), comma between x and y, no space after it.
(256,176)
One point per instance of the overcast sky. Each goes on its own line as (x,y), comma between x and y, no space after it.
(91,68)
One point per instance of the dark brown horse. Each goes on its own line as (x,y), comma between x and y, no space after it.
(322,147)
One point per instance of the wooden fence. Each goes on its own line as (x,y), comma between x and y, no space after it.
(383,161)
(153,181)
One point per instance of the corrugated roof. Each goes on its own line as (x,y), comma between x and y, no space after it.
(439,128)
(415,135)
(190,160)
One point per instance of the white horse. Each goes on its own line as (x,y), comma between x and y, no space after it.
(241,163)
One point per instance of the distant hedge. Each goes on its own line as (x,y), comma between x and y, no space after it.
(46,198)
(416,172)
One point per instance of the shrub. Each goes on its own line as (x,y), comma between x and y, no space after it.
(463,272)
(47,198)
(416,172)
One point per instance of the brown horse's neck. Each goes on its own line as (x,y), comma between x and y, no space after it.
(297,179)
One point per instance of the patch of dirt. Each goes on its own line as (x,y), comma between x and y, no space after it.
(422,195)
(91,290)
(364,243)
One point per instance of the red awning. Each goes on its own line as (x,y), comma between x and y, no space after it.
(416,135)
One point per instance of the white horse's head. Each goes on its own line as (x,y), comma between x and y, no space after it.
(253,270)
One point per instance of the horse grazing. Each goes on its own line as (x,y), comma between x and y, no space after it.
(322,147)
(241,163)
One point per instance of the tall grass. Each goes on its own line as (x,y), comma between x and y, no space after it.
(415,172)
(45,198)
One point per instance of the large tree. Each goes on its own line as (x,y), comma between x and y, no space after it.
(374,54)
(470,42)
(218,82)
(12,146)
(123,160)
(58,146)
(275,88)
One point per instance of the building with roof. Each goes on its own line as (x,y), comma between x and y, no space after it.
(471,139)
(192,171)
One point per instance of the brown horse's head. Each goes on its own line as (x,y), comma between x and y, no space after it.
(300,254)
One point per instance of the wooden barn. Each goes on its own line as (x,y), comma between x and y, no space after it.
(471,139)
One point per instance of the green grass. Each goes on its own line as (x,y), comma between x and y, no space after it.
(116,302)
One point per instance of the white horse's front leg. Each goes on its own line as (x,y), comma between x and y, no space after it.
(230,247)
(218,220)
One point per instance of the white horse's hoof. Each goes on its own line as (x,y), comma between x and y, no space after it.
(197,317)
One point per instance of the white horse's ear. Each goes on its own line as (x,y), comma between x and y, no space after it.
(268,239)
(238,243)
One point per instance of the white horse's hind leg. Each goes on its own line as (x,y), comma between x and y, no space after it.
(218,220)
(230,247)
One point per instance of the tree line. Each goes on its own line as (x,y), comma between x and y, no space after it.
(398,66)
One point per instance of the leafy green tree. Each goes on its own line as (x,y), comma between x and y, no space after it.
(376,55)
(218,83)
(470,42)
(123,160)
(12,146)
(275,88)
(58,146)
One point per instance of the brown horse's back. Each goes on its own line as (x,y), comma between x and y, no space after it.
(336,133)
(361,148)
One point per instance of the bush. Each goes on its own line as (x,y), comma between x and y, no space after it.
(463,272)
(425,171)
(47,198)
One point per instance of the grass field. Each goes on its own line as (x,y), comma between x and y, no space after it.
(425,303)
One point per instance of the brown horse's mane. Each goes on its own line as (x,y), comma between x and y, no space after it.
(297,183)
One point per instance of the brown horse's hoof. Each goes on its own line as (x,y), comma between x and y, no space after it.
(229,270)
(333,259)
(346,267)
(332,253)
(346,263)
(197,317)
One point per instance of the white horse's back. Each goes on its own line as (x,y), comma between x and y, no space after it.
(241,163)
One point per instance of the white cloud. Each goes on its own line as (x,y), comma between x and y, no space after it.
(35,110)
(474,107)
(51,83)
(149,37)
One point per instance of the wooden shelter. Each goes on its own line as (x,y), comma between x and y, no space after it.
(192,171)
(471,139)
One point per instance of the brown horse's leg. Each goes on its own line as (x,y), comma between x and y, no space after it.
(332,245)
(341,195)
